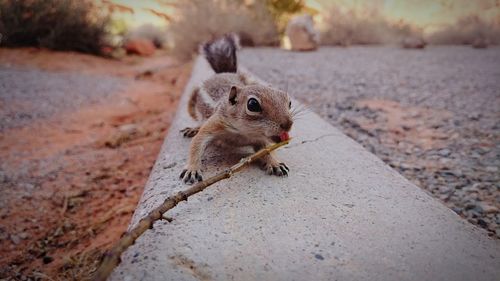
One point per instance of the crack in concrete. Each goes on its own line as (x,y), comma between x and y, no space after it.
(308,141)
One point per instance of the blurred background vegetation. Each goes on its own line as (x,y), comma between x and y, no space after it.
(101,26)
(53,24)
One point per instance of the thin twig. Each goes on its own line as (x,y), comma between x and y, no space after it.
(111,258)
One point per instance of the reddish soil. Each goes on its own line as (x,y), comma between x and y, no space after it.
(407,124)
(91,165)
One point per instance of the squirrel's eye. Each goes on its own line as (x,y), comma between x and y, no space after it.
(290,104)
(253,105)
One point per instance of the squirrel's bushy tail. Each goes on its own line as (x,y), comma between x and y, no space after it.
(221,53)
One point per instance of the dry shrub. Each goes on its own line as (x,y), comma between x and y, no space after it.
(365,27)
(466,31)
(81,266)
(75,25)
(284,10)
(197,21)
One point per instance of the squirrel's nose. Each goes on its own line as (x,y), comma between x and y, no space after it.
(286,125)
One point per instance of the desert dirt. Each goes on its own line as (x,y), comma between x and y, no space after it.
(78,137)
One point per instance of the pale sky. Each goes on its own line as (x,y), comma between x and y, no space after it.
(141,14)
(428,14)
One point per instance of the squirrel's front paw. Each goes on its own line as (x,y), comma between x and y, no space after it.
(277,169)
(189,176)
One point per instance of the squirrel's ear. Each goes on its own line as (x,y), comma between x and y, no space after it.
(232,95)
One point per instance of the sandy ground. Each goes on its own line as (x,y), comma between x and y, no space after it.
(431,114)
(78,137)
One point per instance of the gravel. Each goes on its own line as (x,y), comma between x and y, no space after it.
(431,114)
(29,94)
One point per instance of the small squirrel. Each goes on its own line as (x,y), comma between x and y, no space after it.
(236,110)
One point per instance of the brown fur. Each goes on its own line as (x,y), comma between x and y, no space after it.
(192,103)
(232,124)
(218,86)
(221,104)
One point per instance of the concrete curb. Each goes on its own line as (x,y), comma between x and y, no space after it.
(341,215)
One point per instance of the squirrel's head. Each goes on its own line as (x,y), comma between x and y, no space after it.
(260,111)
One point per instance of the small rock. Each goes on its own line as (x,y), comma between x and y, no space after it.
(477,211)
(444,152)
(319,257)
(27,196)
(482,223)
(457,210)
(3,234)
(444,189)
(153,33)
(492,169)
(480,43)
(47,259)
(171,165)
(474,116)
(128,128)
(15,239)
(300,31)
(486,208)
(405,166)
(24,235)
(139,46)
(444,197)
(473,195)
(413,43)
(470,205)
(28,186)
(477,186)
(3,177)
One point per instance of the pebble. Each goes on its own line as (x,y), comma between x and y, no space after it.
(47,259)
(492,169)
(457,210)
(15,239)
(444,189)
(457,168)
(319,257)
(482,223)
(470,205)
(489,209)
(444,152)
(128,128)
(27,186)
(3,177)
(474,116)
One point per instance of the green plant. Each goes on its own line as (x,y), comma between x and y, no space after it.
(283,10)
(55,24)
